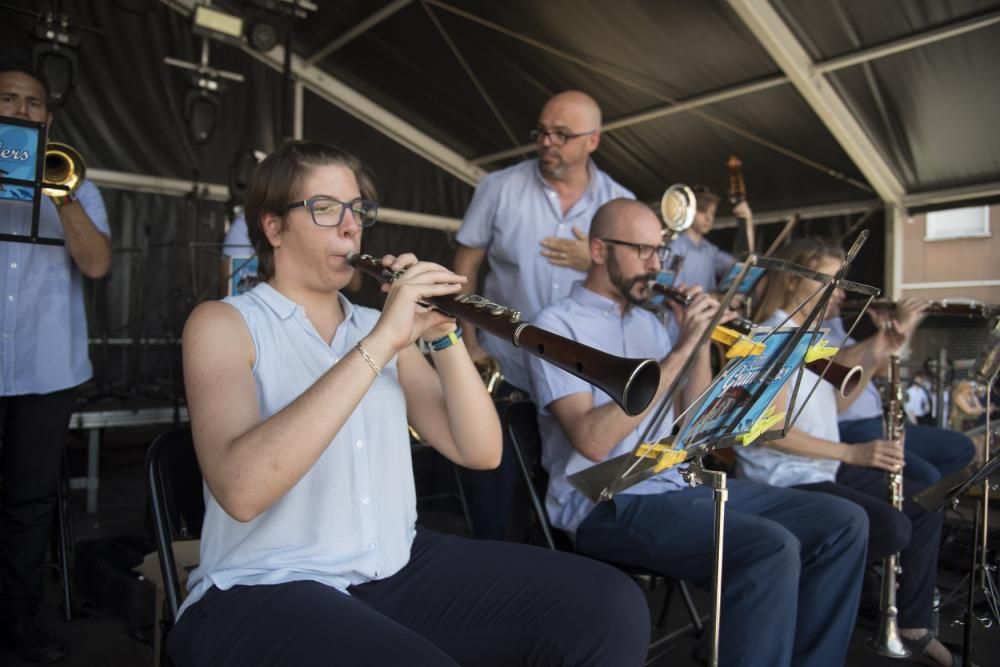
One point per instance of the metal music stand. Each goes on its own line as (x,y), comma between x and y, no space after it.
(22,173)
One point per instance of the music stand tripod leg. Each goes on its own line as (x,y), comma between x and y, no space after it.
(720,494)
(978,570)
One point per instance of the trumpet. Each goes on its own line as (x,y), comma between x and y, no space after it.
(631,383)
(844,378)
(677,209)
(63,168)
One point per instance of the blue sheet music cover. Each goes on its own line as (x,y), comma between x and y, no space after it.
(750,280)
(733,391)
(243,274)
(19,146)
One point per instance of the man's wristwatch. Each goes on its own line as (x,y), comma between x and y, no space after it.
(62,200)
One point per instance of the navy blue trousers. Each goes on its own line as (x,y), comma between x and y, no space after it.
(457,602)
(914,533)
(792,567)
(930,452)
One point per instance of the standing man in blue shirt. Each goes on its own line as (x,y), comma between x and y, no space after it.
(530,223)
(43,359)
(783,549)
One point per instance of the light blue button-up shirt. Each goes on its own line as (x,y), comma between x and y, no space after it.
(816,417)
(351,518)
(704,262)
(868,404)
(237,240)
(43,325)
(511,211)
(597,321)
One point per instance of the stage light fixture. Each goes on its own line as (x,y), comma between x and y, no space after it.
(216,24)
(201,111)
(262,35)
(54,55)
(58,65)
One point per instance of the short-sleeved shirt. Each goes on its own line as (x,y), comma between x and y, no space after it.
(351,518)
(818,418)
(237,241)
(43,323)
(594,320)
(704,262)
(868,404)
(511,211)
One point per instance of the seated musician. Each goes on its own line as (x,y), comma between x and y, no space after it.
(798,552)
(299,403)
(931,452)
(811,457)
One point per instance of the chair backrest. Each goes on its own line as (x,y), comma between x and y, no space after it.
(178,506)
(521,425)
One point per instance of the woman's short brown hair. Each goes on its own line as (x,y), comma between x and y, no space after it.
(276,180)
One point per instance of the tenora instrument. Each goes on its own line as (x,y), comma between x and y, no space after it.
(631,383)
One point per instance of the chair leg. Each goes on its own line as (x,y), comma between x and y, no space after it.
(64,538)
(699,628)
(462,499)
(665,605)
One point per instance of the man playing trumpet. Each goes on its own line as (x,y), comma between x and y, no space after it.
(44,359)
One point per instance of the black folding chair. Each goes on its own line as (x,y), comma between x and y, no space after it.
(521,424)
(178,507)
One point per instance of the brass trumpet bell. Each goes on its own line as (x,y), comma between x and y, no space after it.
(677,207)
(64,166)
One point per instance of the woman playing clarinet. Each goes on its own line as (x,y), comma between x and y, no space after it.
(299,403)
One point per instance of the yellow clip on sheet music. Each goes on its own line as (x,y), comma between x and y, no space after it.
(737,345)
(669,457)
(820,350)
(763,423)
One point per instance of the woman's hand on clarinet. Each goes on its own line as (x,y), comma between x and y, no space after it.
(883,454)
(406,315)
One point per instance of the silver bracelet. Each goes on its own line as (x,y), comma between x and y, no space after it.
(368,358)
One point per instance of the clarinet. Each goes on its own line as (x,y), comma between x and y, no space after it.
(632,383)
(887,640)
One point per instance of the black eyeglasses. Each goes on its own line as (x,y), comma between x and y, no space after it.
(557,137)
(329,212)
(645,251)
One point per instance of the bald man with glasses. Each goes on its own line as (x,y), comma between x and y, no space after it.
(530,223)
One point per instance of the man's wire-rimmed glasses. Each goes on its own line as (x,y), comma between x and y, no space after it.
(329,211)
